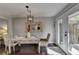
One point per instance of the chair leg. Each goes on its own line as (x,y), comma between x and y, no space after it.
(9,48)
(13,49)
(5,48)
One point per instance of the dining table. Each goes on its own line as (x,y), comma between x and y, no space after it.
(26,40)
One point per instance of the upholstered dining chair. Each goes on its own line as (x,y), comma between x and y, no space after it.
(9,43)
(44,42)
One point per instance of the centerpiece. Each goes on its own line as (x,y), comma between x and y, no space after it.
(29,21)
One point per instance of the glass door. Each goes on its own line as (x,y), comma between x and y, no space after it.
(60,40)
(74,33)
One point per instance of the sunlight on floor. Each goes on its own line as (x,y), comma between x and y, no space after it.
(49,51)
(74,51)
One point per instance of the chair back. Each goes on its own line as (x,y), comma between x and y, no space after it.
(6,40)
(48,36)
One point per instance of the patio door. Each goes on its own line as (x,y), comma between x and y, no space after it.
(60,40)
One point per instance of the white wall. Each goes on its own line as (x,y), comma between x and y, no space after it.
(3,22)
(47,27)
(19,27)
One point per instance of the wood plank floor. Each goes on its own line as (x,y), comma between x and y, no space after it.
(29,49)
(2,50)
(25,49)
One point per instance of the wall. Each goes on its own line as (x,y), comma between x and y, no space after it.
(47,27)
(3,22)
(19,27)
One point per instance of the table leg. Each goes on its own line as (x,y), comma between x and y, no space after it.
(39,48)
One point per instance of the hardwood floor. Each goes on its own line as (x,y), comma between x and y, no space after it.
(31,49)
(2,50)
(25,49)
(28,49)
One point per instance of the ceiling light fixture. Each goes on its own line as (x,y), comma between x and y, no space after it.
(30,18)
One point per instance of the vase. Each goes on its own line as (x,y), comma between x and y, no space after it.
(28,34)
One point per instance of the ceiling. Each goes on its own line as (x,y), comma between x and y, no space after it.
(37,9)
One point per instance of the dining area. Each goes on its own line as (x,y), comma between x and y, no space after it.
(14,42)
(27,35)
(25,45)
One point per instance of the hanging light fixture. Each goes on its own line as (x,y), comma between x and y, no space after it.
(30,18)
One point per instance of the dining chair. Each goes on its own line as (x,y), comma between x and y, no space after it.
(9,43)
(44,42)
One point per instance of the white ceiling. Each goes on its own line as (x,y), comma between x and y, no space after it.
(38,9)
